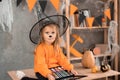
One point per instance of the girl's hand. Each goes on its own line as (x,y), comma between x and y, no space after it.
(74,72)
(50,77)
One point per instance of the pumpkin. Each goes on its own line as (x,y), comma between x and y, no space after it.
(96,50)
(88,60)
(94,69)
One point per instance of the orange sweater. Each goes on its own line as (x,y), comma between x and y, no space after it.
(46,58)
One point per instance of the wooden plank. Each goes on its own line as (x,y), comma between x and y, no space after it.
(116,36)
(68,30)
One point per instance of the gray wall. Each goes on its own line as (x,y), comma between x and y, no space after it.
(16,50)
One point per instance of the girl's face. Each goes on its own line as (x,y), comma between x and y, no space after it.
(49,34)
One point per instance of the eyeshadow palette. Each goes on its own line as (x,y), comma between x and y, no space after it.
(60,74)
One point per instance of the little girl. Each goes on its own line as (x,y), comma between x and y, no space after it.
(48,53)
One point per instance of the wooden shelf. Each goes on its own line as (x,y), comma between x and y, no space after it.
(95,27)
(105,36)
(79,58)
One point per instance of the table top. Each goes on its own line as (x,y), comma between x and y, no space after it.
(78,68)
(90,75)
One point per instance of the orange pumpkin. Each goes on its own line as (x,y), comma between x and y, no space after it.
(94,69)
(88,60)
(96,50)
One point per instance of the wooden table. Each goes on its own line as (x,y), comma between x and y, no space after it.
(28,73)
(97,75)
(78,67)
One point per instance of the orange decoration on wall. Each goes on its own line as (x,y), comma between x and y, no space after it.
(72,49)
(73,8)
(78,38)
(75,52)
(31,4)
(90,21)
(56,4)
(107,13)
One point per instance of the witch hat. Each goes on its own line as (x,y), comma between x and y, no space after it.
(59,20)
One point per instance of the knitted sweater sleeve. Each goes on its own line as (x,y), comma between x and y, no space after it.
(40,64)
(63,61)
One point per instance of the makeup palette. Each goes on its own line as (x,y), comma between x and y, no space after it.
(60,74)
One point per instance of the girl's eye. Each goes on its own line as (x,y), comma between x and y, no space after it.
(53,32)
(47,32)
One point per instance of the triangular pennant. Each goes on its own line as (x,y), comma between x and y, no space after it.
(31,4)
(43,4)
(18,2)
(56,4)
(90,21)
(107,13)
(73,8)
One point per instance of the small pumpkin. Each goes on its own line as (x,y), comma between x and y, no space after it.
(94,69)
(88,60)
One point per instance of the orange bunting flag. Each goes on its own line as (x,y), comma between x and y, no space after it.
(31,4)
(107,13)
(73,8)
(90,21)
(56,4)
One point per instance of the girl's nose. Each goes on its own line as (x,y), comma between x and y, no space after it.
(50,36)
